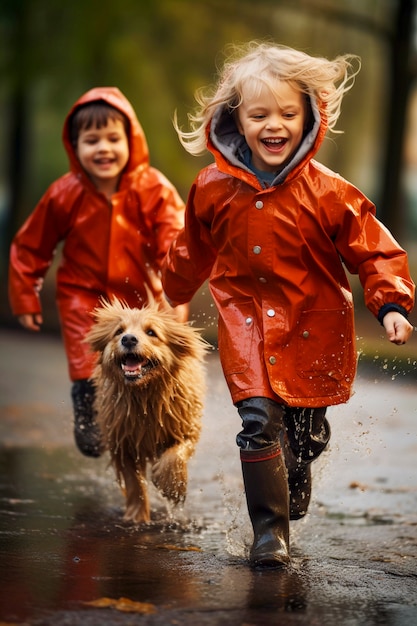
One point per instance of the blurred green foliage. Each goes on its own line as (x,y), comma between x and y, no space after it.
(158,52)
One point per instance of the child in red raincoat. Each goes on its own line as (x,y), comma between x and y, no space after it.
(273,231)
(115,216)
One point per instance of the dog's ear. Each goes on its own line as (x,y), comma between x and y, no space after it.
(106,318)
(185,340)
(97,337)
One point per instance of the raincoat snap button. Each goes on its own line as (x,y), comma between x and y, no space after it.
(262,279)
(306,334)
(259,204)
(270,313)
(272,360)
(248,321)
(257,249)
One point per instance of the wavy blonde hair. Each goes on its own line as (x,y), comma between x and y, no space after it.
(258,64)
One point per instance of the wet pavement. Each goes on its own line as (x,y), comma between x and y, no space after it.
(67,557)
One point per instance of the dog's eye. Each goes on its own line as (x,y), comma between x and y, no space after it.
(151,332)
(118,331)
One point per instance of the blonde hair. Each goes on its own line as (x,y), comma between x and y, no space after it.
(259,64)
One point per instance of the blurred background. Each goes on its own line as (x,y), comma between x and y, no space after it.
(158,52)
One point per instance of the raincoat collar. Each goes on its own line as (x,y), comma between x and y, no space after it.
(227,144)
(138,147)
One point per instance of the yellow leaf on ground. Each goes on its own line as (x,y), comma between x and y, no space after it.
(169,546)
(101,602)
(123,604)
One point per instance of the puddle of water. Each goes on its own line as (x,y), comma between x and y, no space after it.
(64,543)
(63,538)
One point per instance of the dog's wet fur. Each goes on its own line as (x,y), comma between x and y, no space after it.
(150,387)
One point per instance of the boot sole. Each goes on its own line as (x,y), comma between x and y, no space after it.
(269,562)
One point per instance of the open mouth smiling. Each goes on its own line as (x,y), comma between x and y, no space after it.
(274,143)
(135,366)
(104,161)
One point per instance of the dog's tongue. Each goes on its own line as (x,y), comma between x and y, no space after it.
(132,364)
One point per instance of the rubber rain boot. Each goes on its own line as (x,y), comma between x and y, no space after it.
(299,483)
(87,433)
(306,436)
(266,487)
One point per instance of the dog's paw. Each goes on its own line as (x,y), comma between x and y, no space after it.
(137,514)
(169,475)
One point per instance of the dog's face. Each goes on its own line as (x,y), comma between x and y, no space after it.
(139,344)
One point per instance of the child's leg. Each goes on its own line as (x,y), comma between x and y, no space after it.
(86,430)
(265,480)
(307,433)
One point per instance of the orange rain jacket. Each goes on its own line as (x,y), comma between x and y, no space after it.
(275,257)
(108,248)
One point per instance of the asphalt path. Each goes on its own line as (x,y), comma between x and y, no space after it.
(69,558)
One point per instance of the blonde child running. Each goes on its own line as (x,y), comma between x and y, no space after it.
(274,231)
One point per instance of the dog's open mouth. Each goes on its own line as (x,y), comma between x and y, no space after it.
(134,366)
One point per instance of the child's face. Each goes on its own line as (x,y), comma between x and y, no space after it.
(272,124)
(103,153)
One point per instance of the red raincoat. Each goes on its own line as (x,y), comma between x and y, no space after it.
(108,248)
(275,258)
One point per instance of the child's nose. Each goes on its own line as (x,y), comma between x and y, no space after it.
(103,145)
(274,122)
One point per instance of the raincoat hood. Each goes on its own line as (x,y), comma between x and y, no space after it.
(229,147)
(138,147)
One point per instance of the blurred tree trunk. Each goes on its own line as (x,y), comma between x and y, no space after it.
(401,76)
(18,142)
(18,129)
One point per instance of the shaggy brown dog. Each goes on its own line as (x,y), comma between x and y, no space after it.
(149,383)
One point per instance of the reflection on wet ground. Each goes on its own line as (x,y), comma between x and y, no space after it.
(65,547)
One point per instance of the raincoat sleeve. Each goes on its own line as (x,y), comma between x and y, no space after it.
(369,250)
(31,254)
(191,256)
(167,210)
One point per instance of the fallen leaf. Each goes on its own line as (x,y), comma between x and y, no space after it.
(101,602)
(169,546)
(123,604)
(356,485)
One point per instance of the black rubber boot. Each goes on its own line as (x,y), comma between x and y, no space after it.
(307,433)
(86,430)
(299,483)
(266,487)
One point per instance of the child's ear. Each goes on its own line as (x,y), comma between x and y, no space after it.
(237,122)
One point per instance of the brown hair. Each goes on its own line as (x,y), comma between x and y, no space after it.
(97,114)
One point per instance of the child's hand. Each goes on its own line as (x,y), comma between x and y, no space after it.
(181,312)
(31,321)
(397,327)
